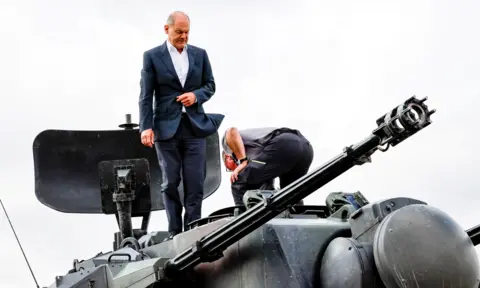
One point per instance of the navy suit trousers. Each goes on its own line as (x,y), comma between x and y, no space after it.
(183,153)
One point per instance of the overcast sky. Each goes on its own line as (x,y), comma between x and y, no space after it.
(328,69)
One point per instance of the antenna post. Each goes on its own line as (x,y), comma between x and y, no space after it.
(20,245)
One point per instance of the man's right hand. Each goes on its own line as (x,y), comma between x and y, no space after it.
(147,137)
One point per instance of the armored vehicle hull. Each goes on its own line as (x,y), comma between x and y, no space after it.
(280,253)
(269,241)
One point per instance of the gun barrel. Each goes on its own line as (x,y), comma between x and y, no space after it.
(261,213)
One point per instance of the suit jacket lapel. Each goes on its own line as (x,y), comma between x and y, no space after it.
(167,60)
(191,63)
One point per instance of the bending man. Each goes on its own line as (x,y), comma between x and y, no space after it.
(257,156)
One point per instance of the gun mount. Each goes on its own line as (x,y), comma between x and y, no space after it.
(109,172)
(123,182)
(269,242)
(393,128)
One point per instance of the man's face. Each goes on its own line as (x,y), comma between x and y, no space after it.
(178,32)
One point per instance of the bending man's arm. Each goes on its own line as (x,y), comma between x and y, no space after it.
(204,93)
(235,142)
(147,87)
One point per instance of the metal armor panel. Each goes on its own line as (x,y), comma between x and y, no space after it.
(282,253)
(422,246)
(348,263)
(285,252)
(66,167)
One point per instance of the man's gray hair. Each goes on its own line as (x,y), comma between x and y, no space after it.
(173,15)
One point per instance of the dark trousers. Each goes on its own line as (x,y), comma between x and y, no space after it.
(287,156)
(186,154)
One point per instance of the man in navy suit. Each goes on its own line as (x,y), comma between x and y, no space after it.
(181,78)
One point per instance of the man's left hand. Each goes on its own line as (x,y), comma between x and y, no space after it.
(234,176)
(187,99)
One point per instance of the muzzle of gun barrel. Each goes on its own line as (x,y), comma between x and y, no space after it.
(403,121)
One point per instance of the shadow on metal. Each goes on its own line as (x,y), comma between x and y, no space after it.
(67,168)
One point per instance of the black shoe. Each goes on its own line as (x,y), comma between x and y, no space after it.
(170,236)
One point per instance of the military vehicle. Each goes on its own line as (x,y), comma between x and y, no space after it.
(268,242)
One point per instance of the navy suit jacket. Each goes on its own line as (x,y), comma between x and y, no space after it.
(158,77)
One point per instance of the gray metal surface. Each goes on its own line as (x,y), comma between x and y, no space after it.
(413,246)
(95,277)
(365,221)
(282,253)
(348,263)
(421,246)
(66,167)
(135,274)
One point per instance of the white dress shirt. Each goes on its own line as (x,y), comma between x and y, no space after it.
(180,62)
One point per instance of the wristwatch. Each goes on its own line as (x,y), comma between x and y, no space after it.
(240,161)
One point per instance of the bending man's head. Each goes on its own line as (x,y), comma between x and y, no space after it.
(228,157)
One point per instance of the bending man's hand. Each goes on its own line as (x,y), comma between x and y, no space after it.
(147,137)
(187,99)
(234,176)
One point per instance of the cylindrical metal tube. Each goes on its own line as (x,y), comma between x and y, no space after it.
(124,209)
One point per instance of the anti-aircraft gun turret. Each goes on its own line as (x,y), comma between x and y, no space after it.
(399,242)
